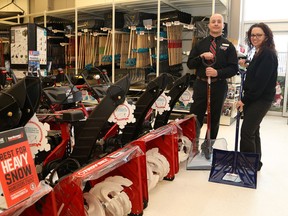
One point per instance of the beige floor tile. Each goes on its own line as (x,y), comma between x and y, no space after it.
(190,193)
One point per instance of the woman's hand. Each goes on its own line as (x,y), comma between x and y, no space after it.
(239,105)
(243,63)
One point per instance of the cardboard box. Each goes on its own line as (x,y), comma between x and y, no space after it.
(17,170)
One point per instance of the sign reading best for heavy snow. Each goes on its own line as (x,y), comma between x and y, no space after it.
(17,171)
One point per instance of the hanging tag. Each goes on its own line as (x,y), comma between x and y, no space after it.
(105,29)
(160,38)
(148,27)
(167,24)
(186,97)
(133,28)
(123,114)
(36,133)
(189,27)
(176,23)
(162,103)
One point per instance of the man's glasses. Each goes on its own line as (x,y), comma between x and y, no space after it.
(256,35)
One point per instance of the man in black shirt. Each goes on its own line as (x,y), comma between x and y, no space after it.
(226,66)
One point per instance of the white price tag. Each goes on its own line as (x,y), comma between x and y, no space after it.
(176,23)
(133,27)
(168,23)
(36,133)
(162,103)
(148,27)
(123,114)
(186,97)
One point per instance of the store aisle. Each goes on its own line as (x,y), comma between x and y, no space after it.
(190,193)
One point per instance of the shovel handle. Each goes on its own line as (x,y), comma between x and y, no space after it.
(208,136)
(242,73)
(209,63)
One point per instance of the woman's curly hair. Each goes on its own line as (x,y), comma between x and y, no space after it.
(269,40)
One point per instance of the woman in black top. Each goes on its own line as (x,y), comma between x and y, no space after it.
(259,86)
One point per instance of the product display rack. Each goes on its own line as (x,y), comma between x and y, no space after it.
(229,110)
(25,38)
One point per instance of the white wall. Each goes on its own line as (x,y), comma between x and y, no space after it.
(234,19)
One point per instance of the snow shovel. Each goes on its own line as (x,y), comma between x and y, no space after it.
(203,161)
(206,146)
(131,61)
(233,167)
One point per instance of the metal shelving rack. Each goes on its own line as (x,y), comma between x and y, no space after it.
(90,8)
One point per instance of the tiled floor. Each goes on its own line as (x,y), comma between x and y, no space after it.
(190,193)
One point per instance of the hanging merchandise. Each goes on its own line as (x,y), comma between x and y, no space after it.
(107,53)
(102,41)
(175,15)
(119,20)
(174,46)
(89,49)
(131,60)
(174,37)
(138,19)
(142,50)
(202,29)
(107,58)
(124,50)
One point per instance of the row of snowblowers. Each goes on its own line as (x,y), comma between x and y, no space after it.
(79,134)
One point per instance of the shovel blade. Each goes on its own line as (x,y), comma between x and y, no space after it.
(234,168)
(197,159)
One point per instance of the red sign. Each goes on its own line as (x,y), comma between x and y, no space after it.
(17,170)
